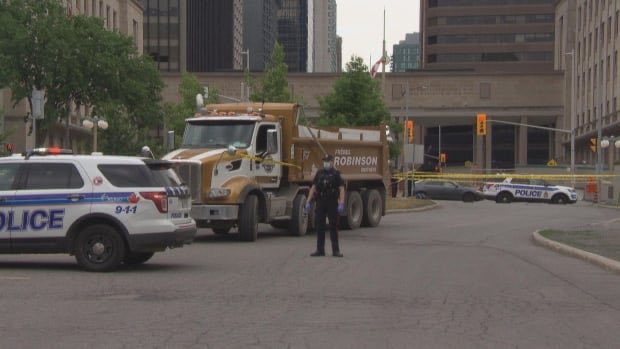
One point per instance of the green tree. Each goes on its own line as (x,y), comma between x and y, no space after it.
(273,85)
(357,100)
(77,62)
(176,113)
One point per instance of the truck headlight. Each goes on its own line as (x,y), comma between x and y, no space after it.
(215,193)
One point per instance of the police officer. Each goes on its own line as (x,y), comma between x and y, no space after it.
(328,189)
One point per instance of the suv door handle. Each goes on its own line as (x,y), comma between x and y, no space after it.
(75,198)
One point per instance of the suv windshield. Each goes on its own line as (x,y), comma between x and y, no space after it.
(217,135)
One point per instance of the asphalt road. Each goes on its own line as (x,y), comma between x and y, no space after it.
(459,276)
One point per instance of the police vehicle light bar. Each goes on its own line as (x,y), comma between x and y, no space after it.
(47,151)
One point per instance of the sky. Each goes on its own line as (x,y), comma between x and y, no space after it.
(360,24)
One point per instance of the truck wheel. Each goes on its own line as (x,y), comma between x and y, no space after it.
(354,211)
(373,208)
(135,258)
(299,219)
(99,248)
(248,219)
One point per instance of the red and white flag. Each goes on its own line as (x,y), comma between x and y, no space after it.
(375,68)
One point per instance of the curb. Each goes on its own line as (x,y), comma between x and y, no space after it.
(600,261)
(406,210)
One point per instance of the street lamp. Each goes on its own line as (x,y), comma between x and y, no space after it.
(606,142)
(573,110)
(95,123)
(245,90)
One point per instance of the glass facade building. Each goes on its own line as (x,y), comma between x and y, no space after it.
(294,33)
(406,54)
(162,33)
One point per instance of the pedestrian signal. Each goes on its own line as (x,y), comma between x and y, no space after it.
(410,133)
(442,158)
(481,124)
(9,147)
(593,144)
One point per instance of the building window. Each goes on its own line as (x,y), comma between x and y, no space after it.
(101,9)
(114,22)
(615,69)
(134,31)
(107,16)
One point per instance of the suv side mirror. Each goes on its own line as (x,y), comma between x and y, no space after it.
(272,141)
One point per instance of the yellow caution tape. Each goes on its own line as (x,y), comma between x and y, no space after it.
(481,177)
(270,161)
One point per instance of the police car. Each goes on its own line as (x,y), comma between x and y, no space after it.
(529,190)
(104,210)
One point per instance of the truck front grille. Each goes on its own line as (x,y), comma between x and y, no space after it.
(190,174)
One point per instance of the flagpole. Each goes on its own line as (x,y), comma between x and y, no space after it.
(383,57)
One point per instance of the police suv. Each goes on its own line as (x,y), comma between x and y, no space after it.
(530,190)
(105,210)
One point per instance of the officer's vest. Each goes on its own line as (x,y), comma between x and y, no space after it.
(327,186)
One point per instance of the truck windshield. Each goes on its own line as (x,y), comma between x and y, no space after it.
(217,135)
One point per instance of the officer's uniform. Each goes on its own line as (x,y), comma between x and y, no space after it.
(327,184)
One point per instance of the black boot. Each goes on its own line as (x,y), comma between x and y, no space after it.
(337,254)
(317,254)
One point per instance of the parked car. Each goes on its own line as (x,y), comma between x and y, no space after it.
(445,190)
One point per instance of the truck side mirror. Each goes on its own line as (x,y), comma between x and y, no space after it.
(272,141)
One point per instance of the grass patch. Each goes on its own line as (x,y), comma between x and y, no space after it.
(604,243)
(406,203)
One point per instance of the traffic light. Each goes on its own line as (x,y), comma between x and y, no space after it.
(481,124)
(593,144)
(9,147)
(410,133)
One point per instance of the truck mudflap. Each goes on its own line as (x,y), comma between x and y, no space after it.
(215,212)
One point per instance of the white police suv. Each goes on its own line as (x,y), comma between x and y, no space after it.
(105,210)
(530,190)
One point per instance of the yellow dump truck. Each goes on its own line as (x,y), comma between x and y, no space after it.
(251,163)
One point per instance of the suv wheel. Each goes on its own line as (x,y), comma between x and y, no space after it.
(503,198)
(99,248)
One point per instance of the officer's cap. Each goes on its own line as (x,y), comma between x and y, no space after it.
(328,158)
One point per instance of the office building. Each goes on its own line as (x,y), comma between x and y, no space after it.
(214,35)
(586,49)
(162,32)
(406,54)
(324,42)
(260,31)
(296,34)
(489,35)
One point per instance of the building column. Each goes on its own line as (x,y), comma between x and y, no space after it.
(522,143)
(488,147)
